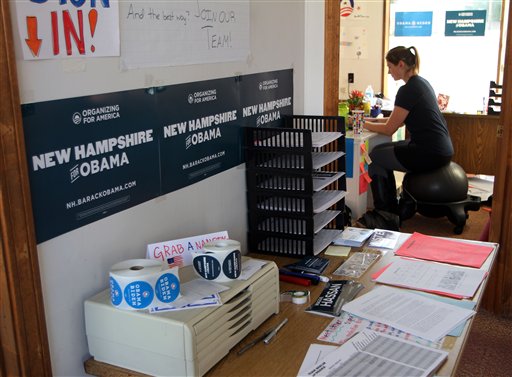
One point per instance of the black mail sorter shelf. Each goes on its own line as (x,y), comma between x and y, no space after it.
(295,185)
(495,97)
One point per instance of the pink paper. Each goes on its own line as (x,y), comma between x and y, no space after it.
(441,250)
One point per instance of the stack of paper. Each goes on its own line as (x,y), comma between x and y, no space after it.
(481,186)
(404,310)
(443,279)
(372,354)
(471,254)
(386,239)
(354,237)
(344,327)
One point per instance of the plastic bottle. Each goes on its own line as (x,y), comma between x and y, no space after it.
(368,93)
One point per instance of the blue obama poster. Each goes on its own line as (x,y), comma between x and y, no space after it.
(413,24)
(199,131)
(266,97)
(89,157)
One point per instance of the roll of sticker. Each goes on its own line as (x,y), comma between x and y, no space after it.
(143,283)
(297,297)
(219,260)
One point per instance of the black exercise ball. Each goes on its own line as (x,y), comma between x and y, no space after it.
(444,185)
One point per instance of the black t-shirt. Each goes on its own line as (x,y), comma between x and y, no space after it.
(425,123)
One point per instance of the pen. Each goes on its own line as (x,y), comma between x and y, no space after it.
(323,278)
(274,332)
(295,280)
(313,278)
(254,342)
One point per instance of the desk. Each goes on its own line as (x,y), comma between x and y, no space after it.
(359,197)
(357,187)
(284,355)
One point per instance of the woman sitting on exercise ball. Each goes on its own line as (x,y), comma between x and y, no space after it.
(428,147)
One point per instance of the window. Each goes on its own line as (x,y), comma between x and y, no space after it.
(458,42)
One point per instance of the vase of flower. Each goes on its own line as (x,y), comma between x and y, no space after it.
(356,100)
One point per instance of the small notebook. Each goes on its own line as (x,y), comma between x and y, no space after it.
(354,237)
(311,264)
(386,239)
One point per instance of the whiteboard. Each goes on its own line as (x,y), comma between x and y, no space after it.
(156,33)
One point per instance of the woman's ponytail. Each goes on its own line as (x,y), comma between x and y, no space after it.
(409,55)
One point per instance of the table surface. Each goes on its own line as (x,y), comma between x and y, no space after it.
(284,355)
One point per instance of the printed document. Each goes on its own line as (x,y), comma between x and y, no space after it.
(382,238)
(344,327)
(409,312)
(445,279)
(352,236)
(315,353)
(373,354)
(195,293)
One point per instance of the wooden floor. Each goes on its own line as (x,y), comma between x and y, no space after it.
(442,227)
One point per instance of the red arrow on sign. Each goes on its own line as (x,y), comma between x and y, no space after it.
(33,43)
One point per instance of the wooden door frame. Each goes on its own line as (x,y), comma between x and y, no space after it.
(331,56)
(23,337)
(498,297)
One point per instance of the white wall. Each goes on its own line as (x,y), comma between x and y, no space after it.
(75,266)
(314,58)
(366,23)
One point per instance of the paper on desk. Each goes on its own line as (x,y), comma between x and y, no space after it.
(457,331)
(382,238)
(338,251)
(373,354)
(195,293)
(420,246)
(201,293)
(409,312)
(352,236)
(211,300)
(250,267)
(347,325)
(315,353)
(444,279)
(344,327)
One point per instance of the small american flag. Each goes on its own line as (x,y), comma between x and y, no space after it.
(176,261)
